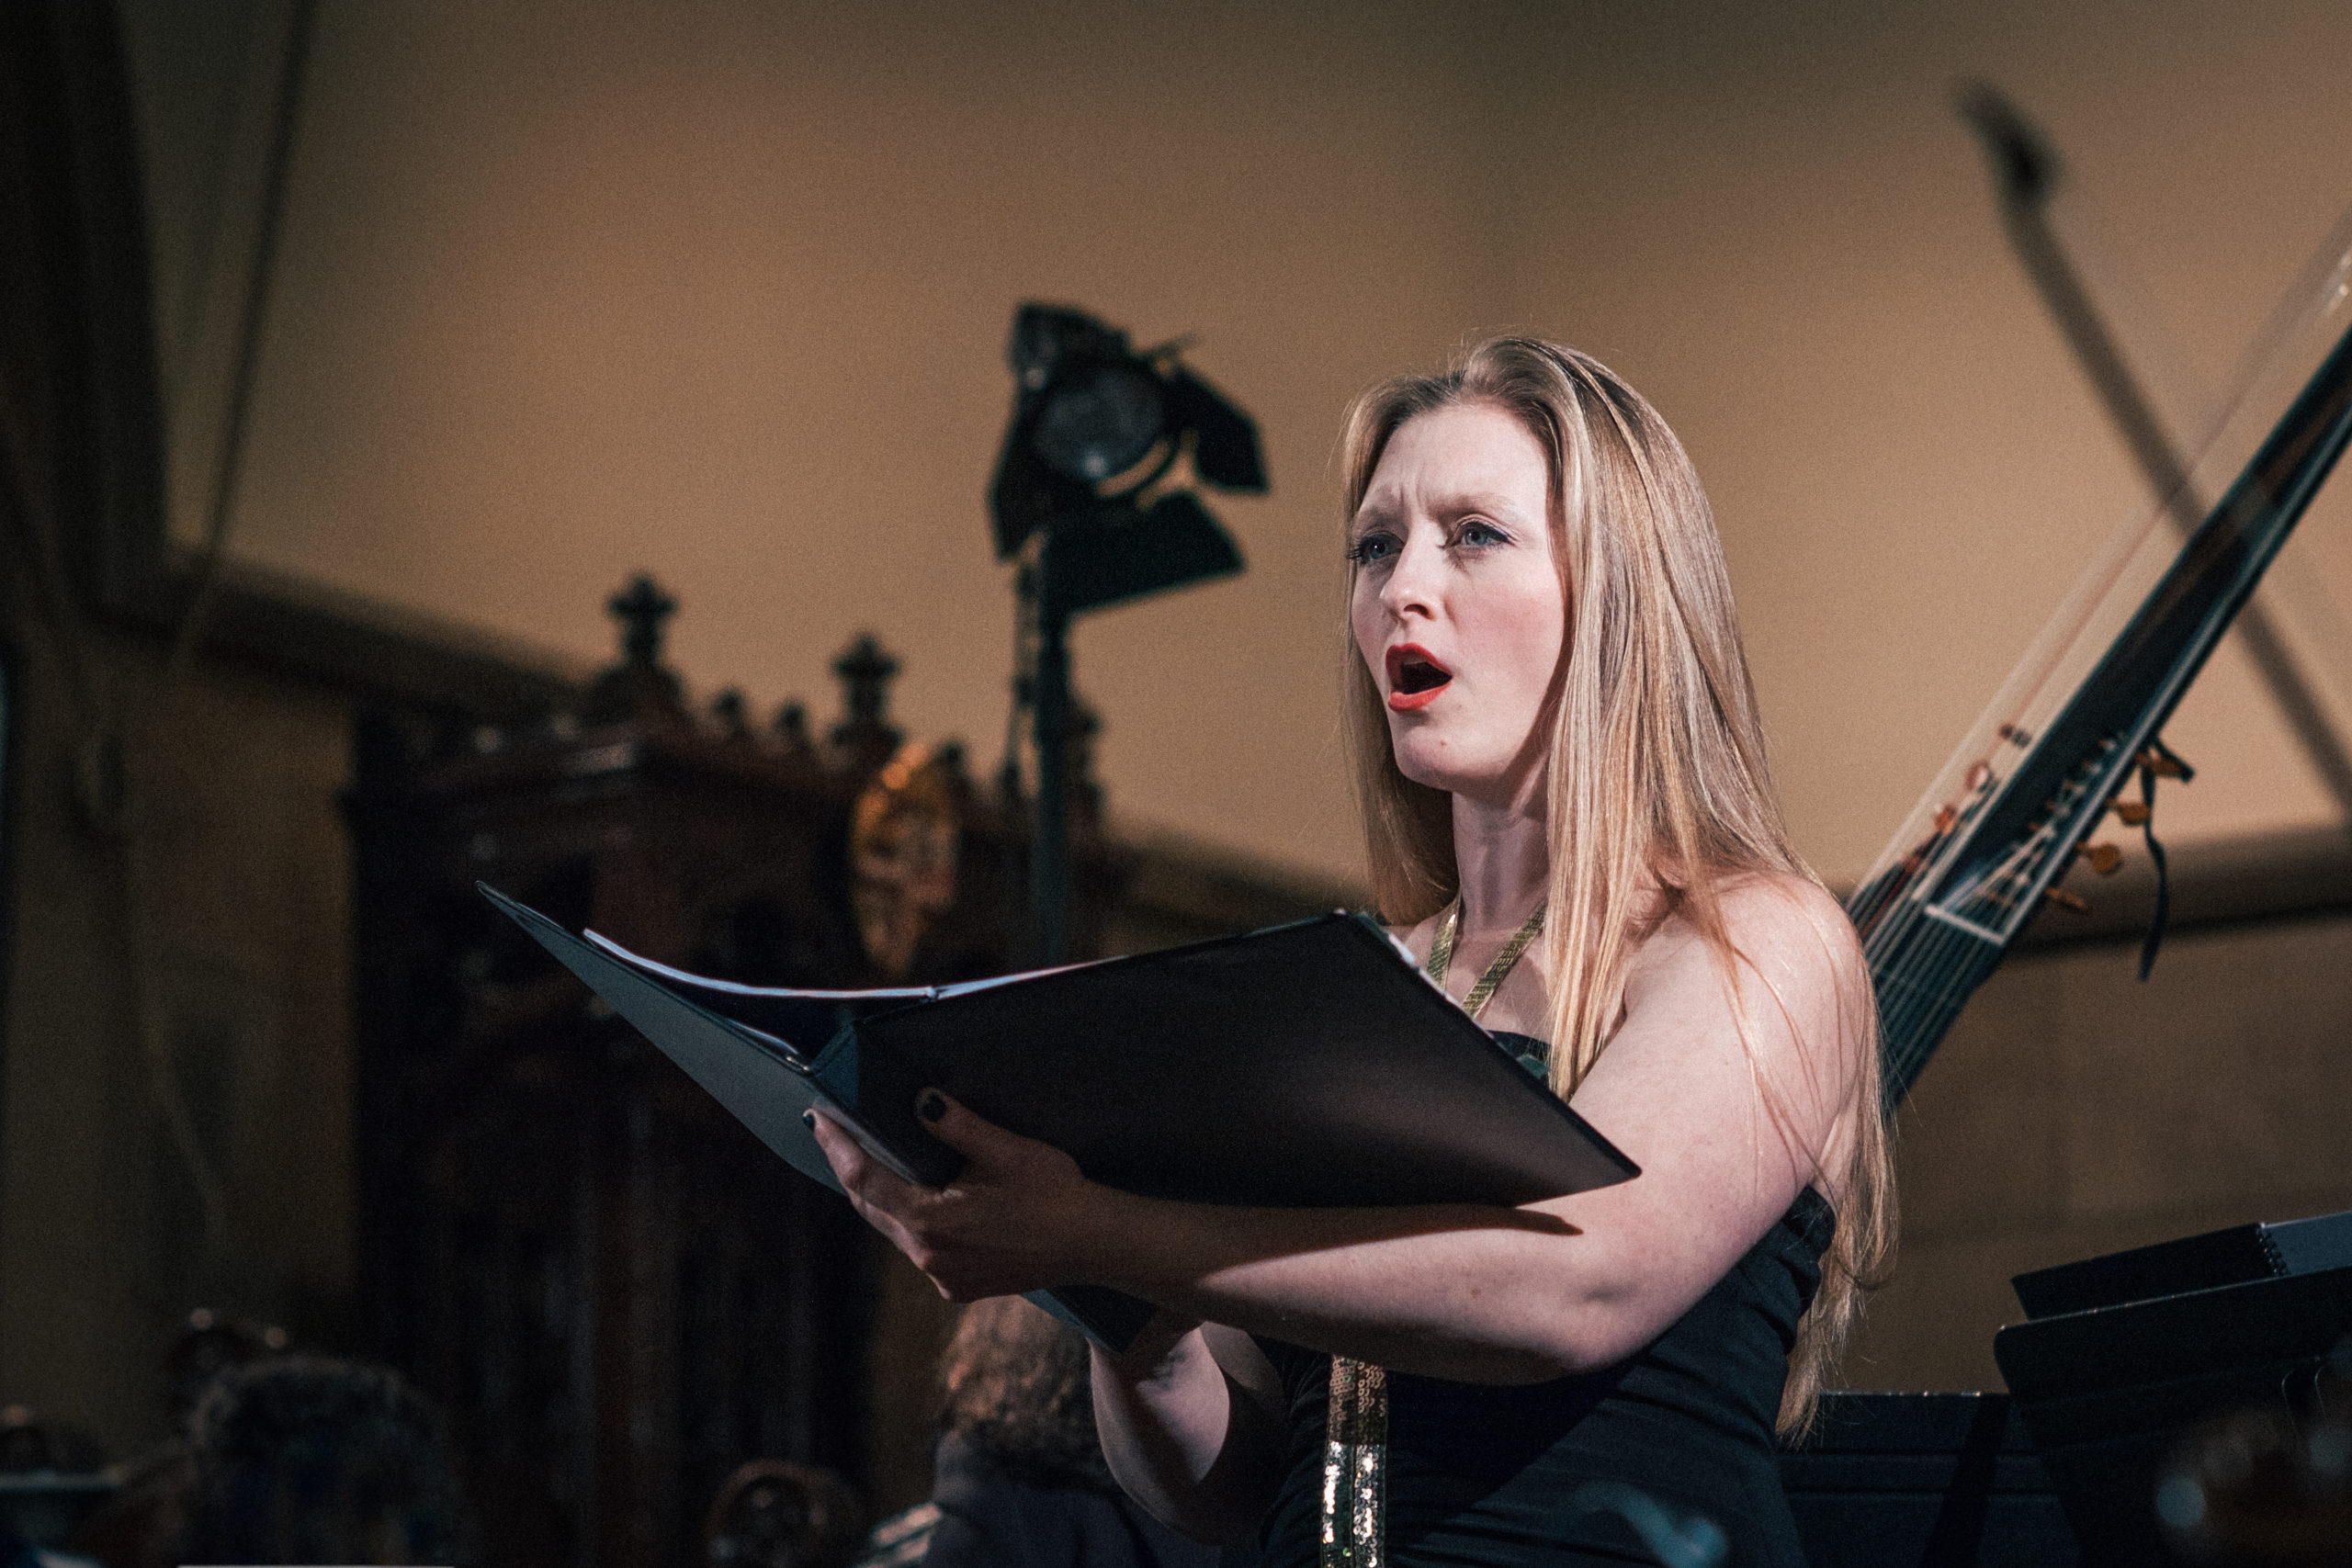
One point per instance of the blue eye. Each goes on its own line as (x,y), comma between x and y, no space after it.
(1478,535)
(1371,549)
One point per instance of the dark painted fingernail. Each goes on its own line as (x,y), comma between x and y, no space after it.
(931,1107)
(808,1120)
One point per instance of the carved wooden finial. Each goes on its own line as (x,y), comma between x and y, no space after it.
(791,728)
(639,689)
(867,671)
(641,608)
(864,738)
(732,714)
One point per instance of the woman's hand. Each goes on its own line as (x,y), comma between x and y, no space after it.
(1019,1217)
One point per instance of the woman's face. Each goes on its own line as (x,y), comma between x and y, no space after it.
(1455,601)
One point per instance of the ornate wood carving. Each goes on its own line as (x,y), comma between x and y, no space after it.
(617,1292)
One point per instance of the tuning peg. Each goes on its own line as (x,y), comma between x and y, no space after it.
(2067,901)
(2105,858)
(2131,813)
(2163,763)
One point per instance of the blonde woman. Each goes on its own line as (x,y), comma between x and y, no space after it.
(1571,821)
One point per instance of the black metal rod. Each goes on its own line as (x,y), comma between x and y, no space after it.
(220,512)
(1049,858)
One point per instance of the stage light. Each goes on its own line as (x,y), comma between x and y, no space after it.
(1095,424)
(1099,421)
(1096,427)
(1127,552)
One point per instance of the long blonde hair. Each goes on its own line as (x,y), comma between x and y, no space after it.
(1657,775)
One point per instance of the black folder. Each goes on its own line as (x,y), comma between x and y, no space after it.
(1304,1066)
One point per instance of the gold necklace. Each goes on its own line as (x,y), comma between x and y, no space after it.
(1355,1431)
(1441,956)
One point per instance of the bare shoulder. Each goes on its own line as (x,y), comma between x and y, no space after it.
(1779,921)
(1740,1052)
(1791,949)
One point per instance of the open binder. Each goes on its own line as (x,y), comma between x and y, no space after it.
(1308,1065)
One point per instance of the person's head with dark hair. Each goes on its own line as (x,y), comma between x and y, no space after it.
(307,1459)
(210,1345)
(775,1514)
(1019,1474)
(1013,1384)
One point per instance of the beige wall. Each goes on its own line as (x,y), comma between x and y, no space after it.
(2075,1111)
(719,289)
(1771,219)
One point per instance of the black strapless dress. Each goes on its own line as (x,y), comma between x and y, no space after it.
(1483,1476)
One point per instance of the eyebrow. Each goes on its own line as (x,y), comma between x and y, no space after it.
(1492,502)
(1497,503)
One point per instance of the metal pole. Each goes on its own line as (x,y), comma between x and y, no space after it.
(1049,857)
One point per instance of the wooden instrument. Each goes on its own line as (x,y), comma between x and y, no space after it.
(2084,709)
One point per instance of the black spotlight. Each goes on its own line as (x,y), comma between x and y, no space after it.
(1097,426)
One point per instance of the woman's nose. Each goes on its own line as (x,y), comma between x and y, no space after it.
(1412,582)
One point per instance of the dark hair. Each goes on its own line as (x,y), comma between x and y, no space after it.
(1013,1384)
(308,1459)
(775,1514)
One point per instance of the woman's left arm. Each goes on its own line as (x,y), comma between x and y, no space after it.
(1726,1135)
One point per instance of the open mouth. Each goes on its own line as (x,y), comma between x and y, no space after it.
(1414,677)
(1419,675)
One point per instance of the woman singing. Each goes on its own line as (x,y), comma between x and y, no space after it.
(1571,822)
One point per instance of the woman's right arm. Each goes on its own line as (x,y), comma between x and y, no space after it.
(1192,1424)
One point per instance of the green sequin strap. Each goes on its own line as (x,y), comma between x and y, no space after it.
(1355,1467)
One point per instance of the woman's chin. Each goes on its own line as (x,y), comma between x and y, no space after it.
(1445,772)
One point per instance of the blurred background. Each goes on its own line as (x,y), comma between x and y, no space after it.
(717,292)
(720,292)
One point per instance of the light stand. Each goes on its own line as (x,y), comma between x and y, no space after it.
(1049,849)
(1096,426)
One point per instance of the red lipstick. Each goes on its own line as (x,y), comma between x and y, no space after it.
(1415,678)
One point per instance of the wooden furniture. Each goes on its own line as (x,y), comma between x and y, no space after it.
(617,1292)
